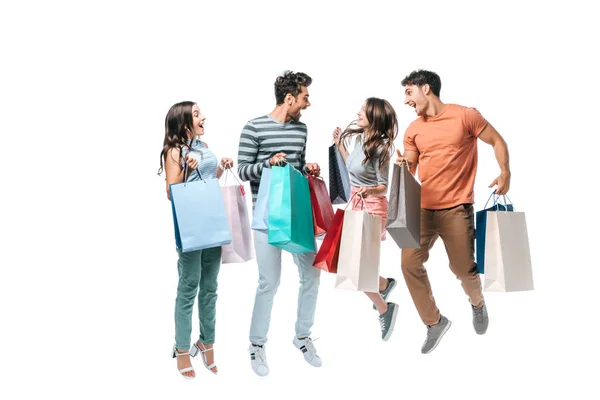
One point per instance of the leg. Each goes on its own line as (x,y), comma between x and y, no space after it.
(310,278)
(457,231)
(269,270)
(188,266)
(207,302)
(378,302)
(415,273)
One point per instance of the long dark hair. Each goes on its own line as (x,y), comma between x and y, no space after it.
(381,133)
(177,123)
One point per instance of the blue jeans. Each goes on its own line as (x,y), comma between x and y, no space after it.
(268,258)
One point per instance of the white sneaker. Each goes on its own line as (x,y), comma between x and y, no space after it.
(258,360)
(308,349)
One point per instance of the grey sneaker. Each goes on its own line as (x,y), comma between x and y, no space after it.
(434,334)
(258,360)
(388,320)
(385,294)
(480,319)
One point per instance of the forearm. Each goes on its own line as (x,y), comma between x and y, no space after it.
(501,153)
(343,152)
(219,171)
(379,190)
(251,171)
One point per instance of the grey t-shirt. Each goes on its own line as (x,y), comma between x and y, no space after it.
(369,174)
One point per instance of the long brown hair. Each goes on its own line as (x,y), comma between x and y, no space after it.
(381,133)
(177,123)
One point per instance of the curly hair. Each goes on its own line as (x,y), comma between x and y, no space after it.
(177,122)
(290,82)
(424,77)
(380,134)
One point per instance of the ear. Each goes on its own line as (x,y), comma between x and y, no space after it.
(289,99)
(426,89)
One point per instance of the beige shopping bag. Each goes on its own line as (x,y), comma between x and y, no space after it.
(507,255)
(358,264)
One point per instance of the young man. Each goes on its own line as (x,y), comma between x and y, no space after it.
(442,142)
(266,141)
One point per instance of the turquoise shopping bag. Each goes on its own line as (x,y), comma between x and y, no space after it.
(199,215)
(290,211)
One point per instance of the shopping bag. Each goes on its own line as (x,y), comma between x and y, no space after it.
(328,254)
(260,216)
(480,224)
(404,212)
(507,254)
(241,248)
(358,263)
(290,212)
(339,178)
(321,205)
(199,215)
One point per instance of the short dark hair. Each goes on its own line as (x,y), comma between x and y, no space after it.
(290,82)
(423,77)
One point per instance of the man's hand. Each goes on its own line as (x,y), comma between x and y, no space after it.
(503,182)
(277,159)
(313,169)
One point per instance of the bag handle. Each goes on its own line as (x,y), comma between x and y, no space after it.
(185,168)
(363,200)
(497,197)
(228,171)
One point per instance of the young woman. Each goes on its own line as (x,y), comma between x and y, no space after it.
(368,165)
(184,153)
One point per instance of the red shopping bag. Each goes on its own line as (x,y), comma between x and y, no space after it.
(321,205)
(328,254)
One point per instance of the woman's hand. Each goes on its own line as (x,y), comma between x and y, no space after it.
(337,136)
(364,192)
(191,162)
(226,163)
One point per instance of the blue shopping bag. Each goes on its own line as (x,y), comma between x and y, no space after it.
(260,216)
(290,211)
(199,215)
(480,223)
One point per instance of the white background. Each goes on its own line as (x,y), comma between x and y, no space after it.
(88,264)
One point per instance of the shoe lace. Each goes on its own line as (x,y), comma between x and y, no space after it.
(310,347)
(259,354)
(479,314)
(382,323)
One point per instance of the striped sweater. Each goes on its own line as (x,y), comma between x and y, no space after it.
(261,139)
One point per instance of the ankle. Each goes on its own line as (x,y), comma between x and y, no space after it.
(384,286)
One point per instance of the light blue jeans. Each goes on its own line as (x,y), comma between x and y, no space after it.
(268,258)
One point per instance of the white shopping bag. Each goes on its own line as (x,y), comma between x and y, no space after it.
(507,255)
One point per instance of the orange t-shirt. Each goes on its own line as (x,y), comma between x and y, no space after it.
(447,147)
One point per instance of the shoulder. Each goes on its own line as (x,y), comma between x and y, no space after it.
(413,127)
(174,152)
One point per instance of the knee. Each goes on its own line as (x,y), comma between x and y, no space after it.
(311,276)
(411,262)
(268,284)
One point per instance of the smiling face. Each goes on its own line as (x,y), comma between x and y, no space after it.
(197,122)
(298,103)
(415,97)
(363,121)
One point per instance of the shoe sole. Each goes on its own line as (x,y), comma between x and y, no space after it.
(388,295)
(392,324)
(440,338)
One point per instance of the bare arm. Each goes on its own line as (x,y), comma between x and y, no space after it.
(491,136)
(411,156)
(337,133)
(173,169)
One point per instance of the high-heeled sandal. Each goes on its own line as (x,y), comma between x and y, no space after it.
(194,352)
(176,353)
